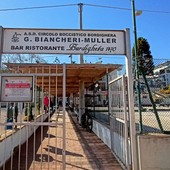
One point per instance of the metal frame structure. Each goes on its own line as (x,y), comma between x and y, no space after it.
(49,80)
(120,121)
(27,128)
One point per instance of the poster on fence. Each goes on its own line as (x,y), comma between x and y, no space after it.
(16,88)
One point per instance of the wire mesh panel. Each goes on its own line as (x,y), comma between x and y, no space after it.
(155,115)
(119,120)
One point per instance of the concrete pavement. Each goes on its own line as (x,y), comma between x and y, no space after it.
(84,150)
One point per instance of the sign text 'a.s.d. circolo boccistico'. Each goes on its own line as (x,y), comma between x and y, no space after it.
(45,41)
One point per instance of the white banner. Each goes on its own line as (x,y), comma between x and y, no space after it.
(42,41)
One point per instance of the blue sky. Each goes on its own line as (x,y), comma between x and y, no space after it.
(153,24)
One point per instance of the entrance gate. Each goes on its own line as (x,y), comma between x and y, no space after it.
(119,121)
(78,42)
(32,120)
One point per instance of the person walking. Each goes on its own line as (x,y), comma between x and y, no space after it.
(16,113)
(9,115)
(46,103)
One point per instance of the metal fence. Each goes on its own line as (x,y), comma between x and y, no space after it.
(21,140)
(119,120)
(154,116)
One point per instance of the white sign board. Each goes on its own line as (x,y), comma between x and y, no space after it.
(42,41)
(16,89)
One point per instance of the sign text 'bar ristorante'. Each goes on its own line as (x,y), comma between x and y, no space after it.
(44,41)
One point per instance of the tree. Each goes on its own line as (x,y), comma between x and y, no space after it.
(145,59)
(22,58)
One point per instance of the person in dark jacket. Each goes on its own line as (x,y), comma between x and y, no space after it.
(16,113)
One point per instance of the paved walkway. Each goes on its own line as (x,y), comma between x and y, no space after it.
(84,150)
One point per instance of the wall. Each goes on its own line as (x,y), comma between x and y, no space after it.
(14,138)
(153,149)
(102,132)
(154,152)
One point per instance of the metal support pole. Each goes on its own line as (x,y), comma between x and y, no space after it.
(64,118)
(139,70)
(107,96)
(131,103)
(94,103)
(81,100)
(81,84)
(1,43)
(137,82)
(81,27)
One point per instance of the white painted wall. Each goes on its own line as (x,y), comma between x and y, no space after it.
(154,152)
(102,132)
(17,138)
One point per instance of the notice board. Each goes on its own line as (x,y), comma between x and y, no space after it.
(16,89)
